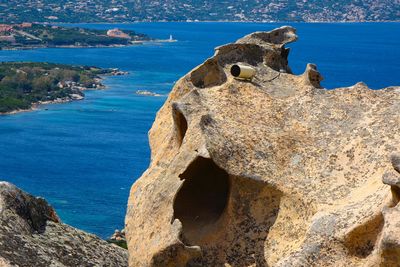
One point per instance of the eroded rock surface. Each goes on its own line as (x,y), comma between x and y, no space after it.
(31,234)
(276,171)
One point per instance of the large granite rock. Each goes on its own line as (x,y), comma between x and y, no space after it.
(31,234)
(275,171)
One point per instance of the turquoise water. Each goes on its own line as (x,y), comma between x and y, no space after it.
(84,156)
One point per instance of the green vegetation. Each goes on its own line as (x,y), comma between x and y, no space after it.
(120,243)
(23,84)
(44,35)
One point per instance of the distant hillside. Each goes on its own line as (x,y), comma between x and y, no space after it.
(13,11)
(32,35)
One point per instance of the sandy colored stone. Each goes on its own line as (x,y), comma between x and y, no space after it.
(276,171)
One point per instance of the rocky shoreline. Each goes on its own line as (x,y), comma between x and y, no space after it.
(133,43)
(146,93)
(65,46)
(35,106)
(71,97)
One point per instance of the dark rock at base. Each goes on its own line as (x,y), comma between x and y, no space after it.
(31,234)
(395,158)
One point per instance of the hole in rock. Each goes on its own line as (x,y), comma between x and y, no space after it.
(395,195)
(239,237)
(180,124)
(251,54)
(362,240)
(208,75)
(202,198)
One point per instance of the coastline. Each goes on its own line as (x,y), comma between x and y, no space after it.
(36,105)
(73,97)
(33,108)
(134,43)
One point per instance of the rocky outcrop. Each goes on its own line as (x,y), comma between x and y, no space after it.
(31,234)
(276,171)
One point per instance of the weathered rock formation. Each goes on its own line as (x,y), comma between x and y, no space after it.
(31,234)
(276,171)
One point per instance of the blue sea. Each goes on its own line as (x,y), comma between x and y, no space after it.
(84,156)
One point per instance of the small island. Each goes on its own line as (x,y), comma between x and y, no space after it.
(146,93)
(33,35)
(25,85)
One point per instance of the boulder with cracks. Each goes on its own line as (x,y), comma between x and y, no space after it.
(277,171)
(31,234)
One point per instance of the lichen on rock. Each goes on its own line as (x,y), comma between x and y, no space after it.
(276,171)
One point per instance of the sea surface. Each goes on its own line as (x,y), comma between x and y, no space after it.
(84,156)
